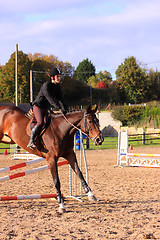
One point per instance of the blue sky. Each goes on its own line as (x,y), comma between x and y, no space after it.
(104,31)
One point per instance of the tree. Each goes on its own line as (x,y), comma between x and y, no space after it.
(104,77)
(44,63)
(85,70)
(133,80)
(101,84)
(7,78)
(154,90)
(93,81)
(74,91)
(41,65)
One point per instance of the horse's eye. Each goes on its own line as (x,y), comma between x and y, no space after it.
(90,121)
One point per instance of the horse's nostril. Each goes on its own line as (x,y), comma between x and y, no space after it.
(98,141)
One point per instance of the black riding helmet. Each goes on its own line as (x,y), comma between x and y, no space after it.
(54,71)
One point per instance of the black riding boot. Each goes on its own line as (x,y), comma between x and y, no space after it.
(32,143)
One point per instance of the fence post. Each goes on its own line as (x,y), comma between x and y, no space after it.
(143,138)
(87,143)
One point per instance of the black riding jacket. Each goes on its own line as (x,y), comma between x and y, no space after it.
(50,95)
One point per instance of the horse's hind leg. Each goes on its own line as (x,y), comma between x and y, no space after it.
(52,161)
(74,165)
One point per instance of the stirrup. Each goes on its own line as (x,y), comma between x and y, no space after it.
(32,145)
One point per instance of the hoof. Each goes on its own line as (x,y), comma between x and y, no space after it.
(62,208)
(91,197)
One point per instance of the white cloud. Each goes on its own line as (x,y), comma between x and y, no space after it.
(106,32)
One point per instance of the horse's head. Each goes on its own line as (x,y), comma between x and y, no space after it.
(91,126)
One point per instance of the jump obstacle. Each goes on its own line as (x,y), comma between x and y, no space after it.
(19,153)
(21,174)
(72,187)
(26,156)
(82,158)
(126,159)
(23,197)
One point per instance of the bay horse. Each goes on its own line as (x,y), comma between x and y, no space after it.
(58,139)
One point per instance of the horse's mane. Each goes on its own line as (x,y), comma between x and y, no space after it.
(54,114)
(69,113)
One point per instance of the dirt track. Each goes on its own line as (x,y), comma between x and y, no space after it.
(128,208)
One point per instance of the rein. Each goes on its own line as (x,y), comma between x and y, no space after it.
(87,135)
(75,126)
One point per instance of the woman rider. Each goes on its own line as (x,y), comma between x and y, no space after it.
(48,96)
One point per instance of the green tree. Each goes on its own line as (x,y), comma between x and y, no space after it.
(85,70)
(75,92)
(133,80)
(154,90)
(7,78)
(105,77)
(93,81)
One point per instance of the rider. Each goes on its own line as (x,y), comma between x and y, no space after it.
(48,96)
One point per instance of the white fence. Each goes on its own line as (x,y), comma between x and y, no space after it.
(124,158)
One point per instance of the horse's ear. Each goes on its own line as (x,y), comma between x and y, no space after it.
(88,110)
(95,108)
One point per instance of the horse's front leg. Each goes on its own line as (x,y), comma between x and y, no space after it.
(52,161)
(74,165)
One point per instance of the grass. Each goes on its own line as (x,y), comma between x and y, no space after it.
(109,143)
(149,141)
(3,147)
(112,142)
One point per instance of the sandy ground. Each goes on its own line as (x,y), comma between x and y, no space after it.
(128,206)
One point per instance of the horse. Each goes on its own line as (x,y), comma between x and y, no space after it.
(58,139)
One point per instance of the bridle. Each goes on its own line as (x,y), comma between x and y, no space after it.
(90,128)
(86,124)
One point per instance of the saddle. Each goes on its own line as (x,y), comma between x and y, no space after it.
(33,122)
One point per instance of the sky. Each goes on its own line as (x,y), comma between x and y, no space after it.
(104,31)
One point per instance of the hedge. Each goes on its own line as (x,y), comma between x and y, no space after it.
(137,115)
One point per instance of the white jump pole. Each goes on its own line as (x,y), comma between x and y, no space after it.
(24,197)
(27,172)
(20,165)
(82,158)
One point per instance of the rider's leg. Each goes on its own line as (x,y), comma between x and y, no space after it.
(38,113)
